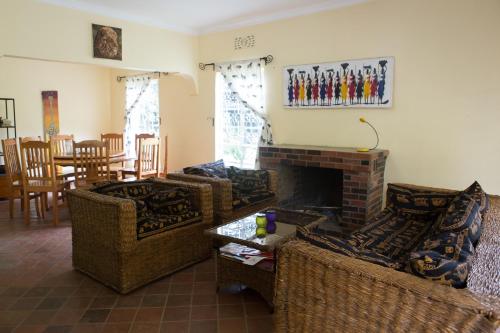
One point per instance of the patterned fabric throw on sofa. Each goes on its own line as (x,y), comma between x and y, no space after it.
(248,186)
(157,209)
(215,169)
(430,234)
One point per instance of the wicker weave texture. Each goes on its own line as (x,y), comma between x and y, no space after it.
(223,196)
(321,291)
(105,244)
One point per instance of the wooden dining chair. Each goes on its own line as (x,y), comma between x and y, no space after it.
(91,162)
(115,144)
(39,176)
(165,158)
(148,159)
(29,138)
(62,145)
(14,179)
(138,137)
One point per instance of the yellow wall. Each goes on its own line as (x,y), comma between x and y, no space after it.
(29,28)
(443,127)
(83,91)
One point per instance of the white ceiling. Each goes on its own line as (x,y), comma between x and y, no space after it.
(202,16)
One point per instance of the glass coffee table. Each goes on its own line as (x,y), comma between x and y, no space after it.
(259,277)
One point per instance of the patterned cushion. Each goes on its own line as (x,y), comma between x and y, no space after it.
(241,200)
(154,224)
(248,181)
(344,247)
(463,214)
(409,200)
(214,170)
(481,198)
(170,201)
(435,266)
(137,189)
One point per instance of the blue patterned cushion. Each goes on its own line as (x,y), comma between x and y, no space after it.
(248,181)
(479,196)
(215,169)
(344,247)
(463,215)
(170,201)
(416,201)
(153,224)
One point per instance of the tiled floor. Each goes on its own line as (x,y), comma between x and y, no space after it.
(40,292)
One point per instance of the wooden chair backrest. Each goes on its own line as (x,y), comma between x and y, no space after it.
(148,157)
(165,158)
(91,161)
(62,144)
(29,138)
(115,141)
(11,158)
(139,137)
(38,164)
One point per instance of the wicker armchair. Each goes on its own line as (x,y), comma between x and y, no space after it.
(321,291)
(105,244)
(223,196)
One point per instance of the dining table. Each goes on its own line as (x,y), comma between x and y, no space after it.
(117,156)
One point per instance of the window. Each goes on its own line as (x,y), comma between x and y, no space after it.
(142,110)
(237,128)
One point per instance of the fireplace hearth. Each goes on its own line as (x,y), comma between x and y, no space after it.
(338,179)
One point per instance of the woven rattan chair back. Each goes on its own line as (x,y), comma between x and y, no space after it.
(62,144)
(91,162)
(148,158)
(115,141)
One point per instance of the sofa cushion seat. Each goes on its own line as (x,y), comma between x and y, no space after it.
(151,224)
(241,200)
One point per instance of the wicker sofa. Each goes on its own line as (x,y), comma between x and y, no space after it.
(223,195)
(106,242)
(318,290)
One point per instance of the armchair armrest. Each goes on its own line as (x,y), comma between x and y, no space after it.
(221,190)
(103,219)
(360,296)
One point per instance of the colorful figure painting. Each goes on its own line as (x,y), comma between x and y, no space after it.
(364,83)
(50,114)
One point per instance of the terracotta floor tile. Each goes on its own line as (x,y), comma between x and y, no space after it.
(26,303)
(178,313)
(227,298)
(149,314)
(259,325)
(204,277)
(182,277)
(204,312)
(95,316)
(38,292)
(175,327)
(128,301)
(181,288)
(7,301)
(204,299)
(204,326)
(232,325)
(78,302)
(52,303)
(103,302)
(153,301)
(145,328)
(62,291)
(179,300)
(257,309)
(231,311)
(67,317)
(7,329)
(58,329)
(15,291)
(40,317)
(116,328)
(87,328)
(30,329)
(204,288)
(122,315)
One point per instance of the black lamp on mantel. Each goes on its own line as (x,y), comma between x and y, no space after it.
(365,150)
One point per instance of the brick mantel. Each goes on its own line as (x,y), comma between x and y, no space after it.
(363,173)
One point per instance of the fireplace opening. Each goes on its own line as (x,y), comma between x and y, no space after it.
(306,188)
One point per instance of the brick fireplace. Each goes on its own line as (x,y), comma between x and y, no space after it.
(361,175)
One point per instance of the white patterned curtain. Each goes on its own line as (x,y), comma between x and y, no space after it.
(244,79)
(141,111)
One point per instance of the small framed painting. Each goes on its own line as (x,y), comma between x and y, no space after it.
(50,113)
(107,42)
(362,83)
